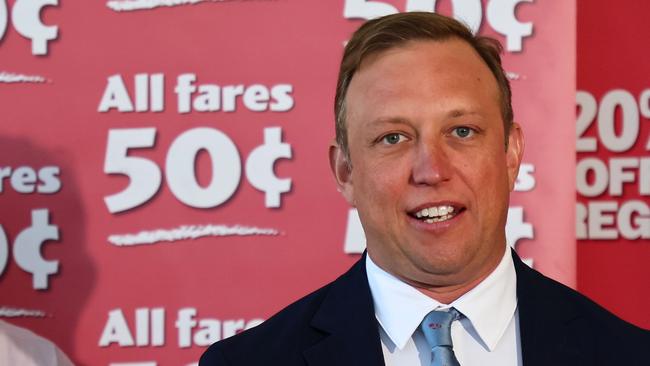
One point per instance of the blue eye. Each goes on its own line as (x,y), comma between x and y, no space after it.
(463,131)
(392,138)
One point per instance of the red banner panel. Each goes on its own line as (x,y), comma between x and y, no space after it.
(613,165)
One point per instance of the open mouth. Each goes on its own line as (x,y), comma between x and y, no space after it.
(436,213)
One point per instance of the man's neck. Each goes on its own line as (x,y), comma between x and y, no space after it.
(447,293)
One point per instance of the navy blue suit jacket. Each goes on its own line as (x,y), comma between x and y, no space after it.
(336,325)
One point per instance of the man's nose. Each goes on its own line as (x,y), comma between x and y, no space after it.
(431,164)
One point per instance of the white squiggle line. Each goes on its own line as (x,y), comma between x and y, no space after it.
(514,76)
(130,5)
(8,312)
(9,77)
(187,232)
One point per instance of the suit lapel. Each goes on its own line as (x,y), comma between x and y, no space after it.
(347,317)
(549,325)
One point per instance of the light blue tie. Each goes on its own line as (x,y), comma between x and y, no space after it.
(436,327)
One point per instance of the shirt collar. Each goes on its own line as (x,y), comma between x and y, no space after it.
(400,308)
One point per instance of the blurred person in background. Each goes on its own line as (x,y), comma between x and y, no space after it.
(19,346)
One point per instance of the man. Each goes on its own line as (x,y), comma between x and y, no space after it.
(428,153)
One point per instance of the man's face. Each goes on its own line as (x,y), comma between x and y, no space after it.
(430,174)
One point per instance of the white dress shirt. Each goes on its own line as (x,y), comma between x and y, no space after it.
(487,333)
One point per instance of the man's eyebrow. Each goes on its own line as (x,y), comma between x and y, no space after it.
(390,120)
(454,113)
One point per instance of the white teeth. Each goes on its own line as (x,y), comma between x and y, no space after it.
(442,218)
(436,213)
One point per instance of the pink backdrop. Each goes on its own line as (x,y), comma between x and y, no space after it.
(221,113)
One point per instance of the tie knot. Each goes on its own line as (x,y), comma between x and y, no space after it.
(436,327)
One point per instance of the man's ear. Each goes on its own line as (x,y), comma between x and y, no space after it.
(514,153)
(342,170)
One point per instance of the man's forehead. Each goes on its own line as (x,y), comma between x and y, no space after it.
(372,57)
(419,66)
(431,62)
(437,80)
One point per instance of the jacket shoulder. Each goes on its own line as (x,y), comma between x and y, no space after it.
(564,296)
(587,328)
(281,338)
